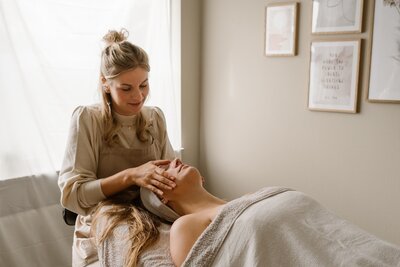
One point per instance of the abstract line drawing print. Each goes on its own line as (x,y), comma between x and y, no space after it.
(385,61)
(333,13)
(337,15)
(393,3)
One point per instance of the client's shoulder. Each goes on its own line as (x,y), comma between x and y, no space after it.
(184,233)
(193,221)
(190,223)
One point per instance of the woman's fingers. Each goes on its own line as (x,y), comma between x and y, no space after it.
(154,189)
(165,174)
(161,162)
(160,185)
(162,182)
(157,179)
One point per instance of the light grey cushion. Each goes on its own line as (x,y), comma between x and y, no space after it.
(153,204)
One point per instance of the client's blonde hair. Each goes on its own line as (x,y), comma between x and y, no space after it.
(119,56)
(141,224)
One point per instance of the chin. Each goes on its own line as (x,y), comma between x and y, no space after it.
(194,173)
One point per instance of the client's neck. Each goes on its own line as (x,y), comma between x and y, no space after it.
(195,202)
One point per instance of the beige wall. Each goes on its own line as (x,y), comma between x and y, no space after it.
(256,130)
(190,81)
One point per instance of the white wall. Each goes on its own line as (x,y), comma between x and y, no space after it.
(256,130)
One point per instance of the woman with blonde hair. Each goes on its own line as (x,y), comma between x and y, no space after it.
(114,148)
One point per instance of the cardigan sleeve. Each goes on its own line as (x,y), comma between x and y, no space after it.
(80,188)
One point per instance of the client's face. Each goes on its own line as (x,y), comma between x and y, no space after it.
(181,171)
(187,177)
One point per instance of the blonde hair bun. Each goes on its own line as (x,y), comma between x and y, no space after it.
(113,36)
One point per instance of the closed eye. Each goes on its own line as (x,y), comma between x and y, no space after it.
(143,86)
(125,88)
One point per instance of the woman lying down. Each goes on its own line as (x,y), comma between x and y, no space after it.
(273,227)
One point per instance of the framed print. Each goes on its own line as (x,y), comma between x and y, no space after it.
(280,29)
(336,16)
(333,83)
(384,83)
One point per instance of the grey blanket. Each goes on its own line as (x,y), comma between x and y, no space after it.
(281,227)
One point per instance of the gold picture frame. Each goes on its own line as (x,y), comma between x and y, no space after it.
(281,29)
(334,75)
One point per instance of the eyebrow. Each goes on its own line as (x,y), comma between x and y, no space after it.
(129,85)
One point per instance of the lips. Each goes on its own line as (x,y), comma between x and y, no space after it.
(135,104)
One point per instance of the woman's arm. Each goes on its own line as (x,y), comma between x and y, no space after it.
(80,189)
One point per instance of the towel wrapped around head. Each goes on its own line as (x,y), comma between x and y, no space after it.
(153,204)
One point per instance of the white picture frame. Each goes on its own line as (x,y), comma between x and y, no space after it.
(384,83)
(280,29)
(333,77)
(336,16)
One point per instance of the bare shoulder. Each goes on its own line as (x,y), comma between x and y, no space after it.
(184,233)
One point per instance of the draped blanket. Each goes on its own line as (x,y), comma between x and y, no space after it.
(280,227)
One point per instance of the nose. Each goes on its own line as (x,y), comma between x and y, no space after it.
(137,95)
(176,162)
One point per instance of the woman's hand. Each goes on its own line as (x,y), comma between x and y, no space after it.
(152,177)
